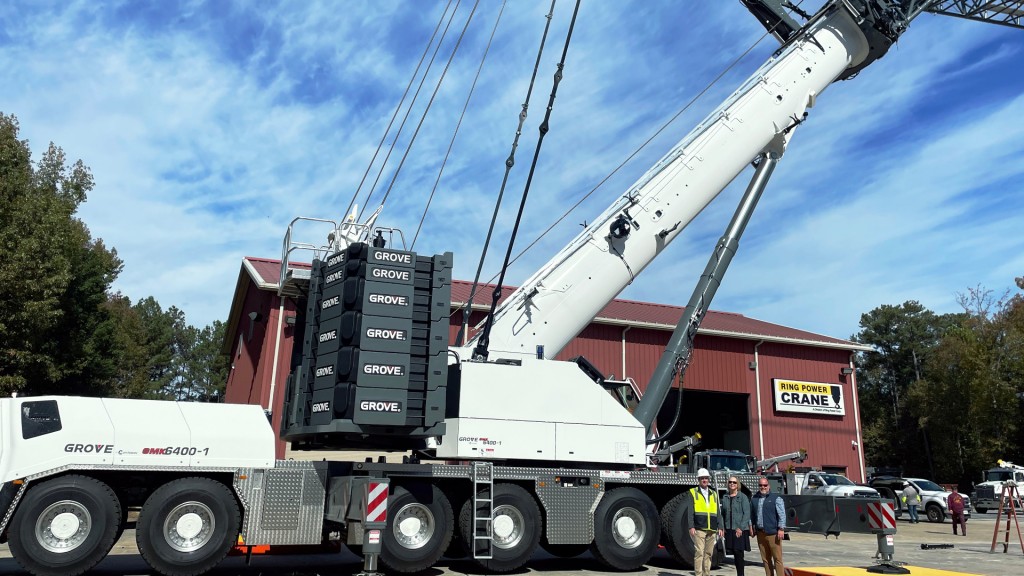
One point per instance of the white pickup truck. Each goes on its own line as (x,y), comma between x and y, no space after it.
(934,498)
(828,484)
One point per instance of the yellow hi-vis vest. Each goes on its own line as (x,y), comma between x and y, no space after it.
(705,514)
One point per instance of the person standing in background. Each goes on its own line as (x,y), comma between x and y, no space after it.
(913,500)
(956,509)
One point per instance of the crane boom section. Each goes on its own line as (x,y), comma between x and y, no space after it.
(561,298)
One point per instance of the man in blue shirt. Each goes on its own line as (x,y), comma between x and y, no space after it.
(769,526)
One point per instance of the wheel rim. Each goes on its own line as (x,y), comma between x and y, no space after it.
(628,527)
(414,526)
(507,526)
(189,526)
(63,526)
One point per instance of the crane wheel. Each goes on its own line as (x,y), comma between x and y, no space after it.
(626,529)
(516,527)
(675,530)
(187,526)
(420,526)
(64,526)
(675,534)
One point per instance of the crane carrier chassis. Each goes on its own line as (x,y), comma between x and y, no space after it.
(196,507)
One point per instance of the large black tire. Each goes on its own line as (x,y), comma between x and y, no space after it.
(675,533)
(935,513)
(626,529)
(456,549)
(122,523)
(981,510)
(420,527)
(64,526)
(187,526)
(675,530)
(516,528)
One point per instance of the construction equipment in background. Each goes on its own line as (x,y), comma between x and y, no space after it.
(765,465)
(987,494)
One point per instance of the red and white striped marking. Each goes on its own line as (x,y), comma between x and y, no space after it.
(376,502)
(881,516)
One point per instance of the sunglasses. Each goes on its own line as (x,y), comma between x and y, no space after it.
(763,485)
(732,482)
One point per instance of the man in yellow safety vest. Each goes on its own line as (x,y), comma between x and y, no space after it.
(707,523)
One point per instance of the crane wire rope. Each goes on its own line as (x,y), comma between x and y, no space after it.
(408,110)
(509,163)
(423,117)
(455,134)
(426,50)
(480,351)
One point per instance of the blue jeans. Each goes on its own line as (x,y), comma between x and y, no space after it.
(913,512)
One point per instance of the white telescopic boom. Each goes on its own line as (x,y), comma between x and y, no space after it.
(557,302)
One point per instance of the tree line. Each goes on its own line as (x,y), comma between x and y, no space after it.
(62,329)
(941,394)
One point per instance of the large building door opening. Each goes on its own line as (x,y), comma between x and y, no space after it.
(721,418)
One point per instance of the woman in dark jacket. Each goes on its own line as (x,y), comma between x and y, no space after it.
(736,515)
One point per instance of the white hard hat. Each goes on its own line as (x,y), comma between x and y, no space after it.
(703,473)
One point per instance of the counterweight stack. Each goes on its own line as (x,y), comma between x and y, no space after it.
(373,368)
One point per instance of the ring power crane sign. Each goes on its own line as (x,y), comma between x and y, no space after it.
(808,397)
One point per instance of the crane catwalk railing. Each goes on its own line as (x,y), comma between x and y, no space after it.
(1005,12)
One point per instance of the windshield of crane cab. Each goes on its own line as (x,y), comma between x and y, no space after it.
(734,463)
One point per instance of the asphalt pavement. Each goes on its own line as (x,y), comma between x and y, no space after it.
(970,554)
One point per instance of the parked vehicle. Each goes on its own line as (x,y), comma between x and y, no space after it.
(934,498)
(987,494)
(828,484)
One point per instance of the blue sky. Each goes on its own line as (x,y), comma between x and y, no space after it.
(210,125)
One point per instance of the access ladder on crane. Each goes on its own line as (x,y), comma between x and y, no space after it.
(483,510)
(1009,500)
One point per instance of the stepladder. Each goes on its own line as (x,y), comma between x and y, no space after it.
(1008,511)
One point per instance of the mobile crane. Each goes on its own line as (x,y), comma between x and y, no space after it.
(542,455)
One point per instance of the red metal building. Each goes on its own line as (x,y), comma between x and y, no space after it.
(752,386)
